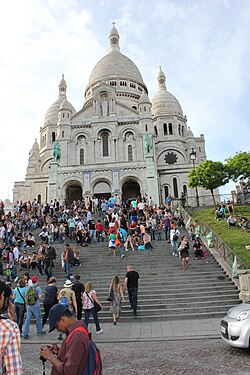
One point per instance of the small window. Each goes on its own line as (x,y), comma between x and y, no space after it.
(130,153)
(63,114)
(39,198)
(53,135)
(170,128)
(199,149)
(134,107)
(175,186)
(185,190)
(179,129)
(182,130)
(145,109)
(156,131)
(166,192)
(68,115)
(146,127)
(81,156)
(62,133)
(165,129)
(105,144)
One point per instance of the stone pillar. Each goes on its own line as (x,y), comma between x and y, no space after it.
(152,181)
(244,277)
(52,183)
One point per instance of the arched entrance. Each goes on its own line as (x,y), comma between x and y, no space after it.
(73,193)
(130,190)
(102,190)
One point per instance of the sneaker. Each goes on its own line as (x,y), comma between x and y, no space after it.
(122,256)
(173,254)
(176,255)
(99,332)
(25,336)
(16,280)
(115,323)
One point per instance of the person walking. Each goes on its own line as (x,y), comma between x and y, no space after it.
(131,282)
(89,296)
(32,299)
(115,290)
(67,297)
(174,237)
(50,298)
(19,302)
(184,253)
(10,362)
(68,258)
(49,257)
(78,288)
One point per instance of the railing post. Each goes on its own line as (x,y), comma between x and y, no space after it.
(244,278)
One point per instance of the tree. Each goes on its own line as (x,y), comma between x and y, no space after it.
(238,167)
(210,175)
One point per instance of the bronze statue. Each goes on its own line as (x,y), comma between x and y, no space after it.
(148,144)
(56,151)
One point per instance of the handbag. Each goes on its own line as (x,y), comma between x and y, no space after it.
(111,296)
(96,304)
(25,308)
(141,247)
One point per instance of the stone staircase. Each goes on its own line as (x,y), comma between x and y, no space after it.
(166,291)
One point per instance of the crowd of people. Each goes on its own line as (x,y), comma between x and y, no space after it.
(28,237)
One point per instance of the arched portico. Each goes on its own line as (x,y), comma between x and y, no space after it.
(73,192)
(130,190)
(102,189)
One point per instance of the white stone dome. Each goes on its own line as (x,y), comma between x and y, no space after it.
(115,65)
(164,102)
(66,105)
(52,113)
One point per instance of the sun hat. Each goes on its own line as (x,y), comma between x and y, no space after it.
(55,314)
(68,284)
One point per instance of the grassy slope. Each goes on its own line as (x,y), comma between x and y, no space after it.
(236,238)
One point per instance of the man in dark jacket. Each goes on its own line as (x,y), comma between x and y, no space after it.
(131,282)
(49,257)
(78,288)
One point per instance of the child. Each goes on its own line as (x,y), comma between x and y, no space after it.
(112,242)
(76,256)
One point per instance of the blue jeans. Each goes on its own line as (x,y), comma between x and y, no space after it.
(35,311)
(92,232)
(93,312)
(122,248)
(67,269)
(19,311)
(167,232)
(174,245)
(48,269)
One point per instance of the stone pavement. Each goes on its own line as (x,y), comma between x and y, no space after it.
(143,331)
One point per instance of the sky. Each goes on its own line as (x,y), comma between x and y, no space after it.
(202,46)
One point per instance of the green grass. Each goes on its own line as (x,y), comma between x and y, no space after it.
(235,238)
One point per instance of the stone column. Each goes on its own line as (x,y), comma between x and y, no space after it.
(244,277)
(52,183)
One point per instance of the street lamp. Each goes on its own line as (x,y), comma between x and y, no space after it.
(193,158)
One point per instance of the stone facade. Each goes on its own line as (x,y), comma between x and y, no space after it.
(119,143)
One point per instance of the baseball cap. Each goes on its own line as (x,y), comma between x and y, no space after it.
(34,279)
(55,314)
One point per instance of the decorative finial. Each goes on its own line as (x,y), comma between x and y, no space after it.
(113,23)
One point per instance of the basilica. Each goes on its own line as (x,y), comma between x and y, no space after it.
(120,143)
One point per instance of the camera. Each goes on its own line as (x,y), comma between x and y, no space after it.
(42,358)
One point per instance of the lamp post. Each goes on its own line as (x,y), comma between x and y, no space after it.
(193,158)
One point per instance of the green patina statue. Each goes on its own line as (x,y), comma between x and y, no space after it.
(56,151)
(148,144)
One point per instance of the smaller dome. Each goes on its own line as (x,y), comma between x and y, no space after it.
(189,133)
(144,99)
(35,145)
(52,113)
(66,105)
(164,102)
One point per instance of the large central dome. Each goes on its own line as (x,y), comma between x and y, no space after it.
(115,66)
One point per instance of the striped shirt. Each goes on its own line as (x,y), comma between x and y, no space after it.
(10,358)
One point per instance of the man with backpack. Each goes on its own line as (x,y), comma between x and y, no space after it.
(78,354)
(32,299)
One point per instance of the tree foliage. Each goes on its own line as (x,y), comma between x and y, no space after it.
(238,167)
(209,175)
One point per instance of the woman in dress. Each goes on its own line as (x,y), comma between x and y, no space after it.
(115,290)
(89,296)
(184,253)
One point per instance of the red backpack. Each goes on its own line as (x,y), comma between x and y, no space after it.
(93,364)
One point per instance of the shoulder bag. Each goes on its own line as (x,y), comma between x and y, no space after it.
(96,304)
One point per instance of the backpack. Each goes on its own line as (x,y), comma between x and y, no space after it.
(64,301)
(93,365)
(30,296)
